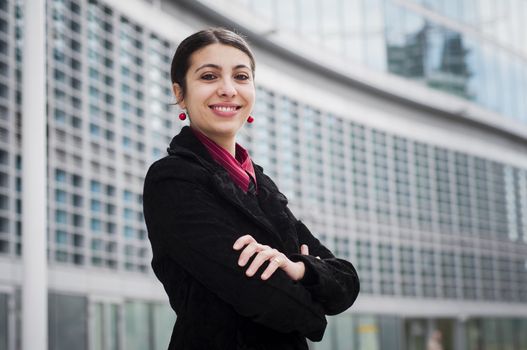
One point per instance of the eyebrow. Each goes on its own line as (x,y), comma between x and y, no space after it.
(215,66)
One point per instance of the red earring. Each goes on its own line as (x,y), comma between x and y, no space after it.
(250,119)
(182,116)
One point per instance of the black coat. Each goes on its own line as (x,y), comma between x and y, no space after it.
(194,213)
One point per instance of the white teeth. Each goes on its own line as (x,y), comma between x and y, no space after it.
(224,108)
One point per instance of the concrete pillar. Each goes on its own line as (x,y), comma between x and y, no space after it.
(34,204)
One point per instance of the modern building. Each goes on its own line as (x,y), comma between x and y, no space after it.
(396,128)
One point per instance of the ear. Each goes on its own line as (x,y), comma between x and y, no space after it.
(178,92)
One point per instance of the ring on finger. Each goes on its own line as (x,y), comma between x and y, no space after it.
(278,261)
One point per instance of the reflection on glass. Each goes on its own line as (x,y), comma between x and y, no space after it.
(344,334)
(264,8)
(67,322)
(136,316)
(490,64)
(367,331)
(415,333)
(105,329)
(163,318)
(520,74)
(287,16)
(331,25)
(374,35)
(469,11)
(490,334)
(447,328)
(507,101)
(476,77)
(3,320)
(521,332)
(447,68)
(387,36)
(452,8)
(308,21)
(405,34)
(354,41)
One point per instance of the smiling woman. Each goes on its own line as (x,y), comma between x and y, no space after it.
(240,271)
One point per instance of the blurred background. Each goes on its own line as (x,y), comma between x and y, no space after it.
(396,128)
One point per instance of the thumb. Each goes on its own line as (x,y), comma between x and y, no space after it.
(304,249)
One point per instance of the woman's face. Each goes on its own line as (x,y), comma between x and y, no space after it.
(220,91)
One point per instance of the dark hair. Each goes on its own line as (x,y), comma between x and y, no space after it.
(181,60)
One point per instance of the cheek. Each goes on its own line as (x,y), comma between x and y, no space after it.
(250,95)
(194,98)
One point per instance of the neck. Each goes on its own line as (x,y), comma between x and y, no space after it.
(227,143)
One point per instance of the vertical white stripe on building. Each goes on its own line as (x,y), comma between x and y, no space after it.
(34,223)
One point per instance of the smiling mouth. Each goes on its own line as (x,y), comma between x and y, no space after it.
(225,108)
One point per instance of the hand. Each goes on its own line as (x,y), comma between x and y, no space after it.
(295,270)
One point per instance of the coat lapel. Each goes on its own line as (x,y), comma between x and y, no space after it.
(186,144)
(274,205)
(244,202)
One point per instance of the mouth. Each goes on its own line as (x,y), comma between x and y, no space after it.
(225,108)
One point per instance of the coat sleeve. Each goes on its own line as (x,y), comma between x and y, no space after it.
(186,223)
(332,282)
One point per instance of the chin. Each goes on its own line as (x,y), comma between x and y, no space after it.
(229,128)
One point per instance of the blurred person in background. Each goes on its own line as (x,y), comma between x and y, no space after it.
(240,271)
(435,341)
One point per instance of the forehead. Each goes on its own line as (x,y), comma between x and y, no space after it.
(221,55)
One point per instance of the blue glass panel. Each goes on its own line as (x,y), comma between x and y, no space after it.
(354,45)
(331,25)
(374,34)
(506,85)
(287,15)
(308,20)
(475,71)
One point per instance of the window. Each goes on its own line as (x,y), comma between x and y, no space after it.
(61,217)
(95,225)
(95,186)
(60,196)
(4,324)
(67,322)
(60,176)
(95,206)
(106,330)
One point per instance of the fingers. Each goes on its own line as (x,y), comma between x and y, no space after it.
(276,261)
(264,253)
(243,241)
(271,255)
(274,264)
(249,251)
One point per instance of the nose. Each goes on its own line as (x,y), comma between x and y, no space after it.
(227,88)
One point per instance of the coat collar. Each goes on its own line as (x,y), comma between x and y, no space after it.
(187,145)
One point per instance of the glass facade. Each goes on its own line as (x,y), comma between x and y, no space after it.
(96,199)
(155,334)
(105,335)
(78,322)
(398,187)
(472,49)
(376,332)
(67,322)
(4,312)
(417,219)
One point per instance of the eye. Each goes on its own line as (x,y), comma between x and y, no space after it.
(242,76)
(208,76)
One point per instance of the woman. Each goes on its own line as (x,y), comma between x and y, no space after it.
(240,271)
